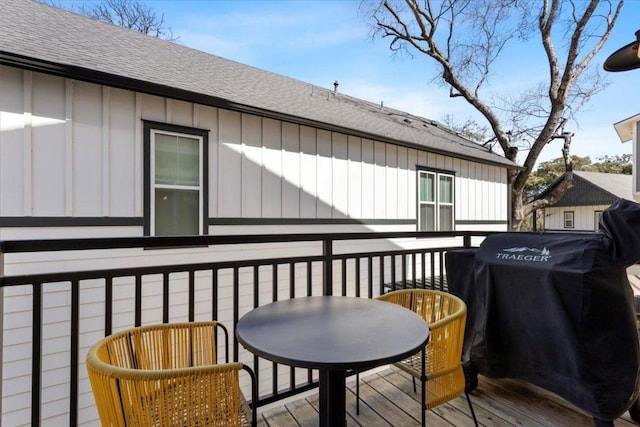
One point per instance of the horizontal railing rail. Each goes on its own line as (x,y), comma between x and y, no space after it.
(97,302)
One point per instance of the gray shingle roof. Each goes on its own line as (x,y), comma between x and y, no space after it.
(50,35)
(617,184)
(593,188)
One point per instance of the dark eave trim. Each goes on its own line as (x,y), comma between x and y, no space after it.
(62,221)
(307,221)
(121,82)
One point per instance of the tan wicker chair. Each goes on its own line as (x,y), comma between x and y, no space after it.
(446,315)
(167,375)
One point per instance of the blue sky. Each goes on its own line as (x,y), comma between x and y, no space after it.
(321,41)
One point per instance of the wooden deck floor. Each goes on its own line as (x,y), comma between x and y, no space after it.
(388,400)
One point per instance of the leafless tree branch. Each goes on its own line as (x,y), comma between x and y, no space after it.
(466,38)
(130,14)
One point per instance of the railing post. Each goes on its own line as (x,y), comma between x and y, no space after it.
(327,271)
(466,240)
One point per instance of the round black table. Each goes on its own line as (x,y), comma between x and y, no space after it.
(332,334)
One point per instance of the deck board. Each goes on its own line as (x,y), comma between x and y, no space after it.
(388,400)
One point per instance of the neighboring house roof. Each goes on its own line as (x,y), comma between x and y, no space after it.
(42,38)
(593,188)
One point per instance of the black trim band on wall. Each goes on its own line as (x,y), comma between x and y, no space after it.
(435,170)
(308,221)
(62,221)
(55,221)
(482,221)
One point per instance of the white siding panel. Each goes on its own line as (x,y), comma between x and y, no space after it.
(272,170)
(12,117)
(48,136)
(505,193)
(459,188)
(179,112)
(309,175)
(468,196)
(430,161)
(122,153)
(27,143)
(153,107)
(340,176)
(355,184)
(422,158)
(412,192)
(392,182)
(403,184)
(493,196)
(368,177)
(251,166)
(106,148)
(324,183)
(229,190)
(291,162)
(475,197)
(583,217)
(379,180)
(207,118)
(139,157)
(87,149)
(486,192)
(481,208)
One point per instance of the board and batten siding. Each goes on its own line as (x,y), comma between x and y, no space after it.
(72,149)
(583,217)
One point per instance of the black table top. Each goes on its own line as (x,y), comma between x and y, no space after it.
(334,332)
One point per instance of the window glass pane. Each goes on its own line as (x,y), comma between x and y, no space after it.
(427,218)
(446,218)
(165,155)
(188,161)
(177,160)
(568,219)
(177,212)
(446,189)
(427,187)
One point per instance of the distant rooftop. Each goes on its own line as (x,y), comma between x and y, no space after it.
(593,188)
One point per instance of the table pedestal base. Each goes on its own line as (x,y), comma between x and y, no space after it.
(332,399)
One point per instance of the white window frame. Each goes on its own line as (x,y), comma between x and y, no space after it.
(569,222)
(437,203)
(153,186)
(596,220)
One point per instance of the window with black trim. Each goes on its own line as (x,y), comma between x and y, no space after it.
(435,201)
(175,199)
(568,219)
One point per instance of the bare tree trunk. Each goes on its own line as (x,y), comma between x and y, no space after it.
(522,210)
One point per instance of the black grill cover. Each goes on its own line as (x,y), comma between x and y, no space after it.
(556,309)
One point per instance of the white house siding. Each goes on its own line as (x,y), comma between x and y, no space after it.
(584,217)
(72,149)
